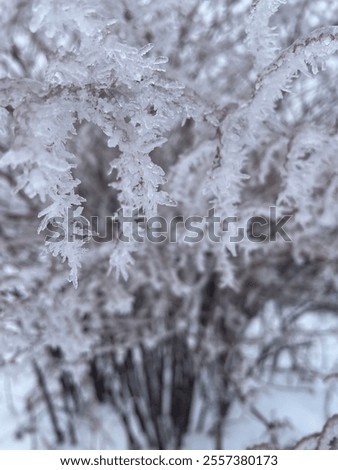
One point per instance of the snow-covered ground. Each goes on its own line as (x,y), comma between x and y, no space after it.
(302,412)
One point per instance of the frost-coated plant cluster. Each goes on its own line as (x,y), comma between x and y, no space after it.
(170,109)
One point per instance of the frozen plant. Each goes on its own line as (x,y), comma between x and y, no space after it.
(168,109)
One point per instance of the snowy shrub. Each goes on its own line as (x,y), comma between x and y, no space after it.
(214,117)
